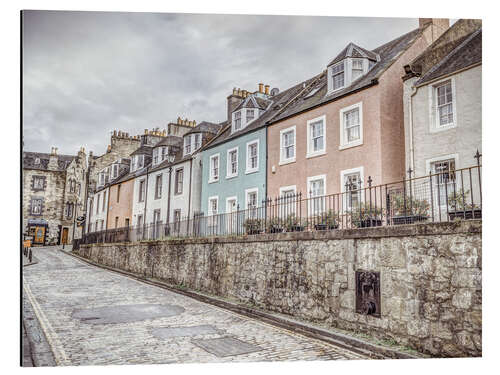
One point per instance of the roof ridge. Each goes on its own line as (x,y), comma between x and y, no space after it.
(451,53)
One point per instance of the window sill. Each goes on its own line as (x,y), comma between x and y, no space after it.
(349,145)
(314,154)
(232,176)
(250,171)
(440,128)
(336,90)
(213,181)
(288,161)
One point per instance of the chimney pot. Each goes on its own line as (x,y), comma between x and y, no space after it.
(266,89)
(261,88)
(145,131)
(194,122)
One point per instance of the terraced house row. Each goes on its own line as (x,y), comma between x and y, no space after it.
(412,104)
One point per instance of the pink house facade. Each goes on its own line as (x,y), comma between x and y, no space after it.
(348,124)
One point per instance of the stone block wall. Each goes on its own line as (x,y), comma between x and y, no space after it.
(430,277)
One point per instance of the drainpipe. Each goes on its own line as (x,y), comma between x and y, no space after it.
(190,179)
(412,150)
(168,194)
(146,197)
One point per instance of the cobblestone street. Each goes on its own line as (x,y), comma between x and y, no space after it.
(91,316)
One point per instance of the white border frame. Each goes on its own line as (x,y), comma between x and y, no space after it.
(289,187)
(330,78)
(251,190)
(234,197)
(228,163)
(256,169)
(428,162)
(343,144)
(175,182)
(311,154)
(210,177)
(313,178)
(361,171)
(434,127)
(290,160)
(211,198)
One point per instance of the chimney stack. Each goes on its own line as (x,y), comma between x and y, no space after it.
(261,88)
(266,89)
(53,165)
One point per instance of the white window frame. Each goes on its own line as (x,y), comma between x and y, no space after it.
(363,69)
(284,161)
(330,76)
(252,190)
(288,188)
(188,144)
(435,127)
(211,177)
(249,169)
(310,152)
(429,164)
(228,163)
(235,198)
(176,181)
(343,174)
(210,199)
(343,141)
(255,115)
(310,197)
(233,123)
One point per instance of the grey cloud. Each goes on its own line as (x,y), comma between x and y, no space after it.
(87,73)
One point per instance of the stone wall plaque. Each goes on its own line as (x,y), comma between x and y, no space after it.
(368,293)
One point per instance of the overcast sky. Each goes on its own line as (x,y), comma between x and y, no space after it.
(87,73)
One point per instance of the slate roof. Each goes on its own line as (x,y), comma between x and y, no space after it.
(467,53)
(170,140)
(352,50)
(388,54)
(29,161)
(206,127)
(144,149)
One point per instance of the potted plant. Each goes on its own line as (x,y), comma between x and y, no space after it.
(459,208)
(327,220)
(294,224)
(253,226)
(274,225)
(364,216)
(408,210)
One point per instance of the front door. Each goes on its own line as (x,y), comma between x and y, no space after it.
(39,237)
(64,237)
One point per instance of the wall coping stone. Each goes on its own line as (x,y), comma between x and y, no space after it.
(425,229)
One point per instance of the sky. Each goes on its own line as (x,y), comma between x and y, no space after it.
(86,74)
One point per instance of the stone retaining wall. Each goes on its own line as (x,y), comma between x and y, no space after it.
(430,277)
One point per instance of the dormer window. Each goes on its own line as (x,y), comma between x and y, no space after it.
(114,171)
(164,151)
(197,141)
(137,162)
(192,142)
(237,121)
(250,115)
(337,74)
(187,145)
(37,160)
(357,68)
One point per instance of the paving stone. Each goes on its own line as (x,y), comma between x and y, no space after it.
(63,287)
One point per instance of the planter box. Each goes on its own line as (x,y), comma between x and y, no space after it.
(295,228)
(467,214)
(275,230)
(254,231)
(410,219)
(325,226)
(366,223)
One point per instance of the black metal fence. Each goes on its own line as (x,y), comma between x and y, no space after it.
(445,196)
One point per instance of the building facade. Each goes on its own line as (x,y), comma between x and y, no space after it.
(53,194)
(347,124)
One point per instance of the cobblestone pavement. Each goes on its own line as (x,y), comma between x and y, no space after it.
(76,304)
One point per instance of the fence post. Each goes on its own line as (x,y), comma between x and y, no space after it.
(432,195)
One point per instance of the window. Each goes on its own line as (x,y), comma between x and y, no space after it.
(213,206)
(114,171)
(36,206)
(289,199)
(141,190)
(97,205)
(104,201)
(250,115)
(444,99)
(316,136)
(214,168)
(316,188)
(118,190)
(137,162)
(156,153)
(251,202)
(102,224)
(445,179)
(139,221)
(38,183)
(79,189)
(158,186)
(351,129)
(116,221)
(163,153)
(352,183)
(237,121)
(69,210)
(232,162)
(179,177)
(357,69)
(287,141)
(197,141)
(187,144)
(37,161)
(177,220)
(337,76)
(252,156)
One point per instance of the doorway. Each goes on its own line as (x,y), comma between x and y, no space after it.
(64,236)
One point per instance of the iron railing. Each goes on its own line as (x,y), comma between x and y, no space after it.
(438,197)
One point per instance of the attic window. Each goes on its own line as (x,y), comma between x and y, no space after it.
(37,160)
(338,76)
(357,68)
(237,120)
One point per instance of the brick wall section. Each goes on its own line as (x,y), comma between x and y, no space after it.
(430,277)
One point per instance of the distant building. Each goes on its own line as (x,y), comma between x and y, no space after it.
(53,196)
